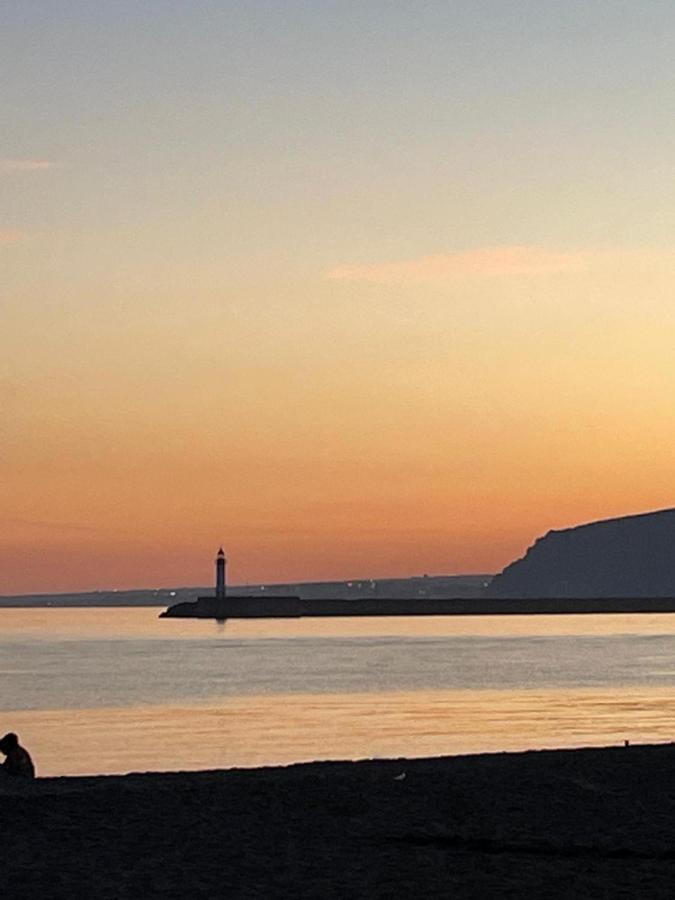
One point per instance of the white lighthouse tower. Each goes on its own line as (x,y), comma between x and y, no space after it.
(220,574)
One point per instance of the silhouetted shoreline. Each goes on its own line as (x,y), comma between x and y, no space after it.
(582,823)
(627,556)
(415,586)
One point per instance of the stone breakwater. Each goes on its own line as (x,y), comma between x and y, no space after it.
(294,607)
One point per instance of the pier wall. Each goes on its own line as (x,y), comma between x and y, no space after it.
(241,607)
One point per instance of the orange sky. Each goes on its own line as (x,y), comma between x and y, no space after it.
(441,437)
(336,296)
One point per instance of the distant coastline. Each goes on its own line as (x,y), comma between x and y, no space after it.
(466,586)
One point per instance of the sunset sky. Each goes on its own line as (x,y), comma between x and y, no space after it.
(355,288)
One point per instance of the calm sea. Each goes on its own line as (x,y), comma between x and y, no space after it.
(118,690)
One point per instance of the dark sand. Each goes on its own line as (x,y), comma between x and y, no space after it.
(581,823)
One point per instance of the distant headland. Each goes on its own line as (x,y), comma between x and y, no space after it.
(626,557)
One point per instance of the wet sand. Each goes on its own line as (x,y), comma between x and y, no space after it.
(573,823)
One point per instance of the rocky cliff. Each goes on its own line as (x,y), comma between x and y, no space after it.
(633,556)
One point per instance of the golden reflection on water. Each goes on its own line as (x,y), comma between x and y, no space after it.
(144,622)
(267,730)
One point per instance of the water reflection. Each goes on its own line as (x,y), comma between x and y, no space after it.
(269,730)
(144,622)
(115,690)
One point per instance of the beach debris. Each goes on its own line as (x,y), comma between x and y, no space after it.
(400,777)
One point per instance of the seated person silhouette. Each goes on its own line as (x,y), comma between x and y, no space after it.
(18,762)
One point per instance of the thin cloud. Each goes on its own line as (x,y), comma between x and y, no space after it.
(489,262)
(43,525)
(25,165)
(10,237)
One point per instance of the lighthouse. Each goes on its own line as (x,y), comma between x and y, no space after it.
(220,574)
(225,606)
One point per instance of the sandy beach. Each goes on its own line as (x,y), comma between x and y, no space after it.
(579,823)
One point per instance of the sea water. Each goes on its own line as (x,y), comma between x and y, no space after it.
(118,689)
